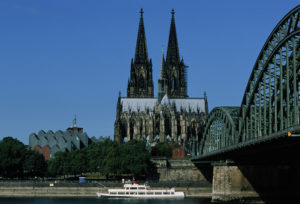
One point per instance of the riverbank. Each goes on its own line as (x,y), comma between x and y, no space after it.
(199,192)
(53,190)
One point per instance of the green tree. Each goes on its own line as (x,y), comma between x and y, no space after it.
(106,157)
(111,160)
(134,158)
(78,161)
(17,160)
(12,155)
(34,164)
(96,154)
(162,149)
(59,165)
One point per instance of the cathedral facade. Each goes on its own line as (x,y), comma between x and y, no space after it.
(172,116)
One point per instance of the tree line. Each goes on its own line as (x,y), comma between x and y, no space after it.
(18,160)
(107,157)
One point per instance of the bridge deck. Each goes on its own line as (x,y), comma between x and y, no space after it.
(258,149)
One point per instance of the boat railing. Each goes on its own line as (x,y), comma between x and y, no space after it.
(100,184)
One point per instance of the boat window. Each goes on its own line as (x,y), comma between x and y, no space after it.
(113,193)
(132,193)
(166,193)
(172,193)
(141,193)
(141,188)
(133,188)
(121,193)
(157,193)
(149,193)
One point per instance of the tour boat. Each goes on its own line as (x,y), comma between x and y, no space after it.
(136,190)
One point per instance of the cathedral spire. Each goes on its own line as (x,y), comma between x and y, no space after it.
(173,50)
(162,68)
(162,78)
(119,107)
(141,53)
(140,84)
(176,82)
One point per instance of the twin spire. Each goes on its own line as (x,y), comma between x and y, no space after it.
(173,50)
(141,51)
(172,79)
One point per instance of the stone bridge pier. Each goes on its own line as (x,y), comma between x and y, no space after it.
(262,182)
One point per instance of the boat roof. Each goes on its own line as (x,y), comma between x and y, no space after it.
(134,185)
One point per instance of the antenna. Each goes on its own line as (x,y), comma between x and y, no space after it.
(74,121)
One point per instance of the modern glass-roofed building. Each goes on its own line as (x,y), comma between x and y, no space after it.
(48,143)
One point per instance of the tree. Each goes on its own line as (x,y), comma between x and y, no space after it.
(17,160)
(12,155)
(135,158)
(78,161)
(106,157)
(162,149)
(111,161)
(59,165)
(34,164)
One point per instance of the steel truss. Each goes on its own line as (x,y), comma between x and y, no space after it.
(220,130)
(271,100)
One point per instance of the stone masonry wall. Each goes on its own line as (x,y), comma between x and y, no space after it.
(177,170)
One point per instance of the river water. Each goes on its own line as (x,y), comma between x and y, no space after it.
(101,201)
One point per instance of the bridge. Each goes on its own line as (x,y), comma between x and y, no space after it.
(265,129)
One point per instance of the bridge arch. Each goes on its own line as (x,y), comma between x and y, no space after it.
(221,129)
(270,105)
(271,99)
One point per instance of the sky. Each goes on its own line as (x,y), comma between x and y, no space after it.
(61,58)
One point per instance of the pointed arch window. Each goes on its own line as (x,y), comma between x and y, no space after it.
(173,83)
(131,130)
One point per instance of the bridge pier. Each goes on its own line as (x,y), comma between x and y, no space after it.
(229,183)
(260,182)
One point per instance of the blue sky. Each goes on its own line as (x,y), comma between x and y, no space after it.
(59,58)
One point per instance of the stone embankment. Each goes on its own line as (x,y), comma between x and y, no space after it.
(23,190)
(48,191)
(179,173)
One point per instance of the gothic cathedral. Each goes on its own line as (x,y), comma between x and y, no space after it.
(172,116)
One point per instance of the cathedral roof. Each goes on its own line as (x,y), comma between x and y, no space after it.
(189,104)
(142,104)
(165,100)
(137,104)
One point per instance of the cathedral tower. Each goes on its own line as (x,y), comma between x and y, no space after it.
(172,116)
(174,82)
(140,84)
(162,79)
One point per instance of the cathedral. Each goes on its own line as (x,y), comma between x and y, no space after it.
(170,117)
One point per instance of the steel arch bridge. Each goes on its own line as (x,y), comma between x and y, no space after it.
(270,106)
(220,130)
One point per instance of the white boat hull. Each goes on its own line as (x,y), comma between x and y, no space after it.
(140,191)
(175,195)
